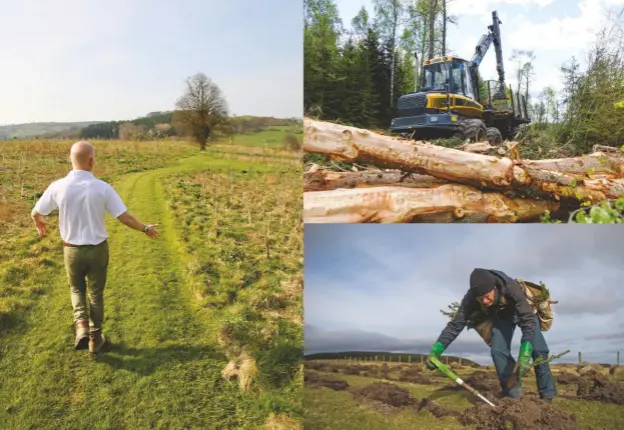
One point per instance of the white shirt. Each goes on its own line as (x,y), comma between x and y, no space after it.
(82,201)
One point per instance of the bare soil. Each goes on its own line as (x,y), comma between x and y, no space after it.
(598,387)
(484,382)
(388,397)
(313,379)
(417,379)
(567,379)
(389,394)
(526,413)
(437,410)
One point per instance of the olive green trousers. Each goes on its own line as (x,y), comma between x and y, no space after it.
(87,266)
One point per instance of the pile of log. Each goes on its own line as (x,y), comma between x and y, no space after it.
(421,182)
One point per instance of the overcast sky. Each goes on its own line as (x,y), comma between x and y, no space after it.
(554,29)
(74,60)
(381,287)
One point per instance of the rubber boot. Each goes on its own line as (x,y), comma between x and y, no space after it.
(96,342)
(82,335)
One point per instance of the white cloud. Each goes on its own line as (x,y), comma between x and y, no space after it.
(478,7)
(554,39)
(422,269)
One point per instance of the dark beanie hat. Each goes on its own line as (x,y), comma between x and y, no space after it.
(482,281)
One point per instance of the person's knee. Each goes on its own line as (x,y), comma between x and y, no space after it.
(498,350)
(541,348)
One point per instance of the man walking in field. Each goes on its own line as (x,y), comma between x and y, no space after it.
(82,201)
(504,303)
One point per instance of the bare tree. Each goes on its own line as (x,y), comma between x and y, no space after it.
(445,20)
(129,131)
(433,11)
(552,105)
(525,70)
(202,108)
(390,15)
(443,27)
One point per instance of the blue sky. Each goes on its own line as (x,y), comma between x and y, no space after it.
(382,286)
(554,29)
(72,60)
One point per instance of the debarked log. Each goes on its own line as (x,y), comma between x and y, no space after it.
(444,203)
(593,177)
(320,180)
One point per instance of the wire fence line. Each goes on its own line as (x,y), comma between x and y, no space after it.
(582,357)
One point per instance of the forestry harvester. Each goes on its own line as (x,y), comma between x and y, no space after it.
(454,102)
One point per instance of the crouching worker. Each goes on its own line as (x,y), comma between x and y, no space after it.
(502,303)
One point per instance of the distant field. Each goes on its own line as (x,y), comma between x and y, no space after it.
(25,131)
(344,395)
(205,322)
(272,138)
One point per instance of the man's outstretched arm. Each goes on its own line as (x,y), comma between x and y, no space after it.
(459,322)
(526,317)
(452,329)
(527,323)
(40,223)
(117,209)
(131,221)
(43,207)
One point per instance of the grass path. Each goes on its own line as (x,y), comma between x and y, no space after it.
(163,369)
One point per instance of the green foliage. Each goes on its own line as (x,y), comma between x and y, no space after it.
(357,77)
(236,125)
(585,111)
(607,212)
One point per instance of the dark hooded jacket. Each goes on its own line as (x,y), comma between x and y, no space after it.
(517,305)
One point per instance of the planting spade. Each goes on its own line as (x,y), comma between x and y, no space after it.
(449,373)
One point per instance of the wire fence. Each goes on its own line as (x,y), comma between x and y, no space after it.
(581,358)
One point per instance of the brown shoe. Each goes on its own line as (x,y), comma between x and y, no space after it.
(96,342)
(82,335)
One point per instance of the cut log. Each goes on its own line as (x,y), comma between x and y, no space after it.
(477,147)
(603,164)
(321,180)
(353,144)
(445,203)
(617,151)
(593,178)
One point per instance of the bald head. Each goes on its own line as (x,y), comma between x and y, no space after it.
(82,155)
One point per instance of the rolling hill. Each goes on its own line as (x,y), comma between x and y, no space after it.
(34,129)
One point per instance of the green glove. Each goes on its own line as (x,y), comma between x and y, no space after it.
(436,351)
(524,358)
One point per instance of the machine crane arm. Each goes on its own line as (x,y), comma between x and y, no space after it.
(493,36)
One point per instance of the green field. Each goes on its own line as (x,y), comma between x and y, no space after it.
(204,322)
(271,138)
(345,408)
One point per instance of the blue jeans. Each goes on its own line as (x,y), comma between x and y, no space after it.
(502,333)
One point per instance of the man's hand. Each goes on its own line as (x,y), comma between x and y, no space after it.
(150,230)
(40,224)
(436,351)
(524,359)
(131,221)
